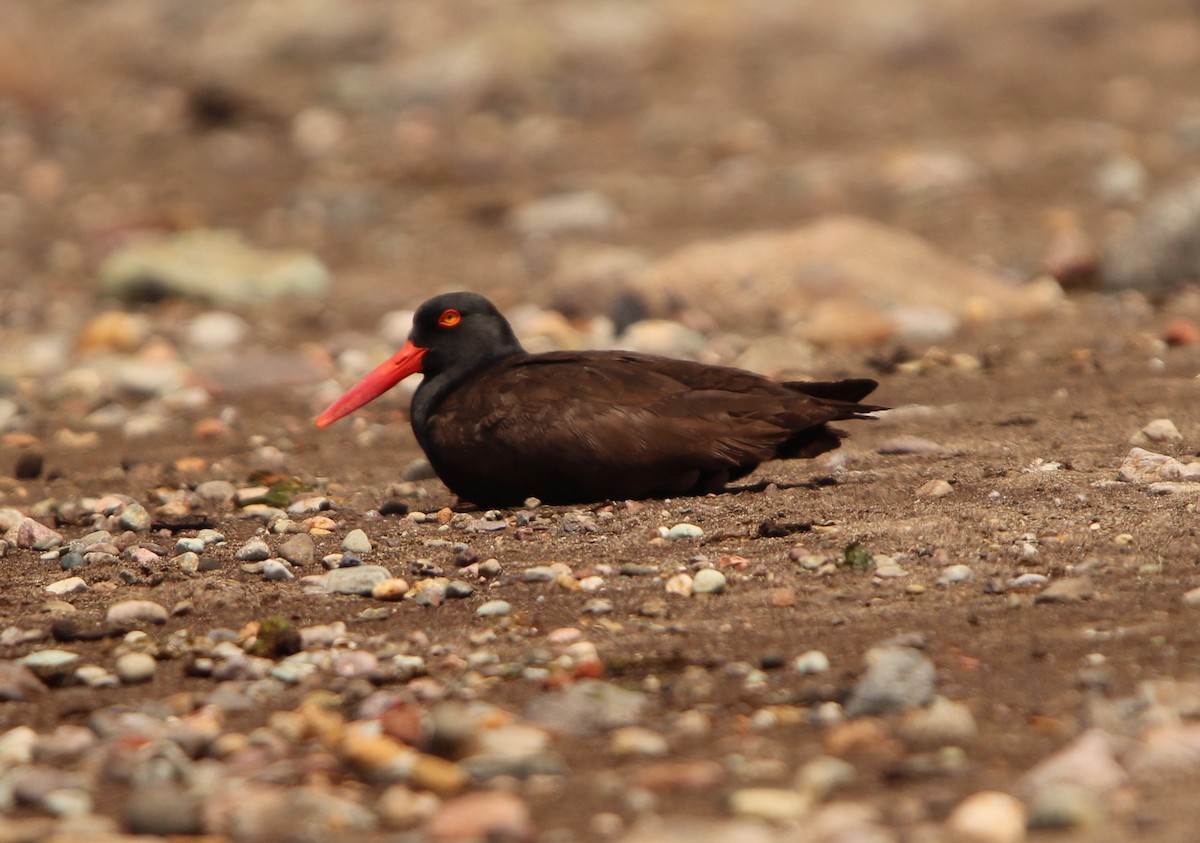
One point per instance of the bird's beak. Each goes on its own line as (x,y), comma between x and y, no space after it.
(405,362)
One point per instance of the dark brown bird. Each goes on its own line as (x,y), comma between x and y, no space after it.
(500,425)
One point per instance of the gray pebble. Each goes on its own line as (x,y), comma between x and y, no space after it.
(684,531)
(457,589)
(216,491)
(133,611)
(359,579)
(189,544)
(275,569)
(810,663)
(494,608)
(255,550)
(71,560)
(598,606)
(356,541)
(134,517)
(897,679)
(955,573)
(135,667)
(539,573)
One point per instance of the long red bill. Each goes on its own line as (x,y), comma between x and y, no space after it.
(405,362)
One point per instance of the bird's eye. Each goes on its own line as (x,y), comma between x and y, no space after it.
(449,318)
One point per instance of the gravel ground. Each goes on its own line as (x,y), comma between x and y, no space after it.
(972,623)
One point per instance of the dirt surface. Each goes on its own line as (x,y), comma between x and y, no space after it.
(1039,98)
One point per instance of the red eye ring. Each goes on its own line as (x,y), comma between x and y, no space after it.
(449,318)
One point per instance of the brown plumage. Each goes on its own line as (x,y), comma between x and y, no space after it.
(500,425)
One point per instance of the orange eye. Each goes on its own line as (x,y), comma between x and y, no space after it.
(449,318)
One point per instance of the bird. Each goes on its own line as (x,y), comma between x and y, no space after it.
(500,425)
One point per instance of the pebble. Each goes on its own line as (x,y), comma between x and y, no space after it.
(935,489)
(637,741)
(810,663)
(482,815)
(589,706)
(35,535)
(1068,590)
(583,211)
(1192,597)
(775,804)
(1157,432)
(987,817)
(255,550)
(356,541)
(71,585)
(1145,467)
(1065,805)
(71,560)
(135,667)
(134,611)
(955,573)
(897,679)
(276,570)
(683,531)
(708,581)
(134,517)
(493,609)
(18,683)
(909,444)
(49,663)
(824,774)
(299,550)
(358,579)
(391,589)
(941,723)
(1088,762)
(680,584)
(164,809)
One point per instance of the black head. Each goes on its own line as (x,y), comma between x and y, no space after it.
(461,331)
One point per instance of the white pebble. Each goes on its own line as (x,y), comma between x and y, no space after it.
(708,581)
(987,817)
(135,667)
(356,541)
(811,662)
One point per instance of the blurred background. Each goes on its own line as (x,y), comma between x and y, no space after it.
(232,193)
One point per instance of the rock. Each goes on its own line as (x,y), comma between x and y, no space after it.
(135,667)
(1088,762)
(781,281)
(987,817)
(255,550)
(50,664)
(1157,432)
(1161,248)
(299,550)
(1192,597)
(637,740)
(1068,590)
(684,531)
(162,809)
(941,723)
(708,581)
(71,585)
(1170,488)
(129,612)
(216,331)
(359,579)
(822,775)
(33,534)
(897,679)
(955,573)
(584,211)
(356,541)
(810,663)
(276,570)
(1065,805)
(770,803)
(587,707)
(18,683)
(210,265)
(391,589)
(680,584)
(935,489)
(909,444)
(493,609)
(134,517)
(1145,467)
(483,815)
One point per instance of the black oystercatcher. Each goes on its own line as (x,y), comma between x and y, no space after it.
(500,425)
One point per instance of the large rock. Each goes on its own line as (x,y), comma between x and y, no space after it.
(838,280)
(217,266)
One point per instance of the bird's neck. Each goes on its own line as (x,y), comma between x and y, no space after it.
(440,382)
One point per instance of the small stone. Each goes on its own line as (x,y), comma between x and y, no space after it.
(1192,597)
(189,545)
(598,606)
(637,740)
(1068,590)
(708,581)
(71,585)
(987,817)
(897,679)
(680,584)
(1157,432)
(358,579)
(810,663)
(356,541)
(775,804)
(33,534)
(941,723)
(18,683)
(135,667)
(162,809)
(1066,805)
(276,571)
(580,211)
(71,560)
(129,612)
(493,609)
(255,550)
(482,815)
(29,465)
(134,517)
(822,775)
(684,531)
(935,489)
(909,445)
(49,664)
(299,550)
(391,589)
(955,573)
(1145,467)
